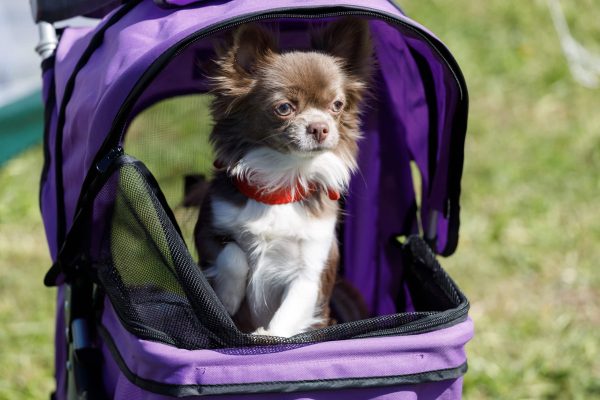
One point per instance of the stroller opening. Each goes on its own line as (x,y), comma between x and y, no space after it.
(127,133)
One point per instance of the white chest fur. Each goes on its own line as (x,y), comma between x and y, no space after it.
(284,246)
(271,222)
(279,251)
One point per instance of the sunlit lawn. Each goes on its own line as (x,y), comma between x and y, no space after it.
(26,306)
(530,236)
(530,239)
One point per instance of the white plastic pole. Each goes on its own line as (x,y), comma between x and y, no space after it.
(48,40)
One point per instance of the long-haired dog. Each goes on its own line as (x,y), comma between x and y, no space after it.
(285,141)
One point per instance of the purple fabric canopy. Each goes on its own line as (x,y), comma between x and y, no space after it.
(381,201)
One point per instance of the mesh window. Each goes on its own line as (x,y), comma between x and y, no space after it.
(171,138)
(136,267)
(160,293)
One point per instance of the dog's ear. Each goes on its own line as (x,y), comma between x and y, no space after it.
(251,45)
(348,38)
(237,58)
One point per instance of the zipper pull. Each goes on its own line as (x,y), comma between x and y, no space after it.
(109,158)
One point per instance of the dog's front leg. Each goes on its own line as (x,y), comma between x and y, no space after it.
(297,309)
(230,276)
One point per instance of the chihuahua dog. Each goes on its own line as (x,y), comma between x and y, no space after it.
(285,141)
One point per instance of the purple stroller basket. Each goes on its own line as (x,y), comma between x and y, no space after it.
(140,319)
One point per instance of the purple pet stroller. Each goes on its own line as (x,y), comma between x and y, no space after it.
(136,317)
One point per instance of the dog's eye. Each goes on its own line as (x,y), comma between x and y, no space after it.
(337,106)
(284,109)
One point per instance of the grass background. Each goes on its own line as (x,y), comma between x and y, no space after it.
(530,221)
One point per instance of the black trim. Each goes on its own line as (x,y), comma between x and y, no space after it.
(48,63)
(430,98)
(48,111)
(455,170)
(169,6)
(94,43)
(61,10)
(430,323)
(121,119)
(275,386)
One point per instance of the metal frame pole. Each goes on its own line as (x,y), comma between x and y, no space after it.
(48,40)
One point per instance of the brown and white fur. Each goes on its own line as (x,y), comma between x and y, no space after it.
(280,119)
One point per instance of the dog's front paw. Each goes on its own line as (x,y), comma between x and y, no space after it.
(231,295)
(263,332)
(273,332)
(229,276)
(229,291)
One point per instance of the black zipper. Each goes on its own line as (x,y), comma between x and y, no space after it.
(120,122)
(109,159)
(434,321)
(48,111)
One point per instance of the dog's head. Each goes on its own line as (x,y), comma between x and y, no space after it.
(300,102)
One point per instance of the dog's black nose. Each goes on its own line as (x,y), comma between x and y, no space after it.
(319,130)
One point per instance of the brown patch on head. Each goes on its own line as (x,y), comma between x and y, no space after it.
(247,48)
(307,79)
(252,80)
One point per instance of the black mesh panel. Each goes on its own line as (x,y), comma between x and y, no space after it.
(171,138)
(160,293)
(137,268)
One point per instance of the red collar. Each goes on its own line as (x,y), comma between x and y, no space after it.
(280,196)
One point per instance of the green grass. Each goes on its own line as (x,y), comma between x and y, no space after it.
(26,306)
(530,235)
(530,220)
